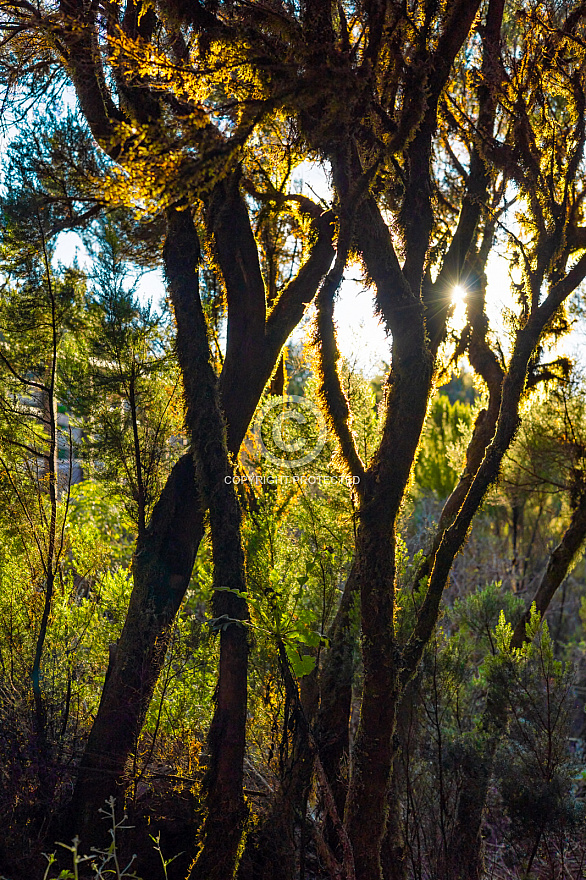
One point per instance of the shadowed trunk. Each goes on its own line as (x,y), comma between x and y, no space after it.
(224,798)
(162,567)
(393,852)
(275,849)
(366,805)
(333,717)
(165,553)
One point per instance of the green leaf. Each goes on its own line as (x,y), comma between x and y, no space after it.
(503,634)
(307,637)
(300,665)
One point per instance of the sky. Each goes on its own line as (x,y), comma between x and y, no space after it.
(361,337)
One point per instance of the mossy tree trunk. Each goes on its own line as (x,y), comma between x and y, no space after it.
(225,807)
(165,553)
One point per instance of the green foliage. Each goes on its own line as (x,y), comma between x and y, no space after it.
(534,767)
(79,356)
(440,455)
(547,461)
(88,614)
(460,388)
(100,514)
(291,589)
(129,391)
(476,696)
(483,616)
(42,317)
(298,535)
(366,420)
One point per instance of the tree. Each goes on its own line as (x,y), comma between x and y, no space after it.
(433,115)
(37,314)
(129,392)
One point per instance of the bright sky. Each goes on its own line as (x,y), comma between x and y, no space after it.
(361,337)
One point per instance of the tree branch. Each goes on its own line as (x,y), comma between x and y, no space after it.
(85,66)
(335,403)
(296,296)
(557,568)
(229,225)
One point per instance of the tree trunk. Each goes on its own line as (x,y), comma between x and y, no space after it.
(366,806)
(165,553)
(275,848)
(333,716)
(464,853)
(162,567)
(393,853)
(226,810)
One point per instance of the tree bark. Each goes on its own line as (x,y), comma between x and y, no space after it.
(165,554)
(226,810)
(336,676)
(366,805)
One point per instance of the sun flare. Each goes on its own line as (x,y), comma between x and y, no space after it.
(459,307)
(458,294)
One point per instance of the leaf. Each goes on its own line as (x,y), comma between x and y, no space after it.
(503,634)
(307,637)
(300,665)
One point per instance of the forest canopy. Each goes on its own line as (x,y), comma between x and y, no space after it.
(261,615)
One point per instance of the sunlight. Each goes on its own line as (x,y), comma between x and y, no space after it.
(458,294)
(459,302)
